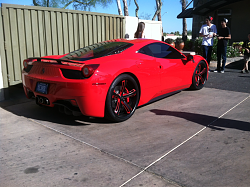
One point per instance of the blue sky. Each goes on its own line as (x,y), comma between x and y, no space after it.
(170,10)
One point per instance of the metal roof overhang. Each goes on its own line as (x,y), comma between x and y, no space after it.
(206,8)
(188,13)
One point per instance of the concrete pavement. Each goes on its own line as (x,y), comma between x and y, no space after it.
(193,138)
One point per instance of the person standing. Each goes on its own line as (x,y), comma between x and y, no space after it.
(246,46)
(162,36)
(223,36)
(208,31)
(140,30)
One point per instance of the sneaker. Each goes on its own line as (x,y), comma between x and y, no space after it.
(216,70)
(247,71)
(242,71)
(222,71)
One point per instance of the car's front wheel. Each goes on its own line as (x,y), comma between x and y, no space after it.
(122,98)
(200,76)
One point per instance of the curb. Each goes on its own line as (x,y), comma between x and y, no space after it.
(229,61)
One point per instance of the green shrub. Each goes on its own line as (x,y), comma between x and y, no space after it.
(197,46)
(231,51)
(188,45)
(169,40)
(214,50)
(179,40)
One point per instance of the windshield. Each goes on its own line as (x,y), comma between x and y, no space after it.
(97,50)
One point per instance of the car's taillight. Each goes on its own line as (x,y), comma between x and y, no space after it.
(48,60)
(89,69)
(27,62)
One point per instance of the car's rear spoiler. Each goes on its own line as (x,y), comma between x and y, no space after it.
(59,61)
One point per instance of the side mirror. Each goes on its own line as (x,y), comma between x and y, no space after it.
(190,57)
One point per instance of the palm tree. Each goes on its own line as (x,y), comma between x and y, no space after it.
(184,21)
(158,10)
(119,7)
(125,8)
(137,8)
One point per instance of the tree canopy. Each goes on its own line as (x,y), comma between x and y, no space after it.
(77,4)
(88,4)
(48,3)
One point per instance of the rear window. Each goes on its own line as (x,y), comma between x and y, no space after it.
(97,50)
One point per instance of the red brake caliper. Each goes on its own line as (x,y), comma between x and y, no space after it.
(119,97)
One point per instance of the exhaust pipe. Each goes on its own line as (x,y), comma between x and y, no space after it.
(46,101)
(42,100)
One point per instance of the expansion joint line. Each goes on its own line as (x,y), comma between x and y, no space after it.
(120,158)
(101,150)
(86,143)
(182,143)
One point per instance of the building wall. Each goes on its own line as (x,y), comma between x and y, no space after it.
(153,29)
(174,37)
(1,82)
(239,20)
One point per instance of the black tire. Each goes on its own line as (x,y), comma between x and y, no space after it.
(200,76)
(122,98)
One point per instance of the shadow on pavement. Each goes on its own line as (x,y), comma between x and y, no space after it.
(19,105)
(33,111)
(238,65)
(231,80)
(244,76)
(204,119)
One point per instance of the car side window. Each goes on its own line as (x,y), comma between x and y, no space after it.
(146,51)
(160,50)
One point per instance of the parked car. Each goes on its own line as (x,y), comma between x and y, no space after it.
(112,78)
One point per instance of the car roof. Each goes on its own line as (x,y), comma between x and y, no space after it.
(137,43)
(138,40)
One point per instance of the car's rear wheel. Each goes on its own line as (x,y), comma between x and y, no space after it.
(122,98)
(199,76)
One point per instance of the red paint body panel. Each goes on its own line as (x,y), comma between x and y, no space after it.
(155,76)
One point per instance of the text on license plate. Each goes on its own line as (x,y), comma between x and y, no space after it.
(42,87)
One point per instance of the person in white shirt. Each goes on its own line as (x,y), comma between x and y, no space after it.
(208,31)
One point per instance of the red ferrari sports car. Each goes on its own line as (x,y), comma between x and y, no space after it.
(110,79)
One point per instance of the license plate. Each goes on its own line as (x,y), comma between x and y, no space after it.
(42,87)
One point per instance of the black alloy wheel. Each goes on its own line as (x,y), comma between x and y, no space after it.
(122,98)
(199,76)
